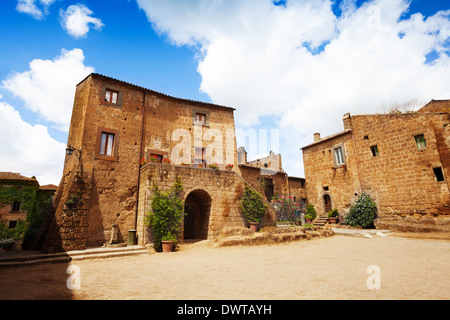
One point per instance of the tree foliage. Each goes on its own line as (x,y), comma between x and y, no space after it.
(253,206)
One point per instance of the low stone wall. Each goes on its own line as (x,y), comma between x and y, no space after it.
(233,236)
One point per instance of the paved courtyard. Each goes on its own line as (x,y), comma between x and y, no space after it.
(339,267)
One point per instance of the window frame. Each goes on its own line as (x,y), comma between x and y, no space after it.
(203,161)
(113,89)
(203,113)
(335,157)
(419,143)
(16,205)
(441,174)
(374,150)
(115,145)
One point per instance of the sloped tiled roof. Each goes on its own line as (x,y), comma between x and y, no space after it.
(328,138)
(206,104)
(436,106)
(14,176)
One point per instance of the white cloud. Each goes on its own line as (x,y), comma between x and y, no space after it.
(302,65)
(76,20)
(36,9)
(48,88)
(29,149)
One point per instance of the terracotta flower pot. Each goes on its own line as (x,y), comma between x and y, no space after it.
(254,226)
(167,246)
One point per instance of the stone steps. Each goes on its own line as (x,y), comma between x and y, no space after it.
(320,221)
(70,256)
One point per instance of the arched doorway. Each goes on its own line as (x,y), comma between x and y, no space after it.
(197,207)
(327,203)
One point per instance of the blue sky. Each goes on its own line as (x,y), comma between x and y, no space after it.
(295,66)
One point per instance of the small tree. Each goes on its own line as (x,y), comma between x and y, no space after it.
(362,213)
(252,205)
(167,212)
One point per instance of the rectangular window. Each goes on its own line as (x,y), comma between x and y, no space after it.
(12,224)
(111,96)
(439,174)
(107,144)
(339,156)
(15,206)
(420,141)
(374,150)
(200,118)
(200,156)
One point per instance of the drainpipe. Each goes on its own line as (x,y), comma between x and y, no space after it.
(139,160)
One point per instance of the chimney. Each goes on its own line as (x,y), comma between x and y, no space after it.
(347,119)
(317,137)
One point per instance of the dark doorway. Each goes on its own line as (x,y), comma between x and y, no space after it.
(327,203)
(268,192)
(197,207)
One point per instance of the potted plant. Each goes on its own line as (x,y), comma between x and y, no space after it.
(167,212)
(229,167)
(253,207)
(214,166)
(7,244)
(333,216)
(167,242)
(311,213)
(166,161)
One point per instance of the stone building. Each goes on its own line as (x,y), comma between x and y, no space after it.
(23,200)
(401,160)
(122,137)
(267,176)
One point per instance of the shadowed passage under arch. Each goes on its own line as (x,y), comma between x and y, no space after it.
(196,221)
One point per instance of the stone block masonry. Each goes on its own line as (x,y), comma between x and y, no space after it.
(217,192)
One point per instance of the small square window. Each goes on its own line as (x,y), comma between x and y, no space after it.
(12,224)
(439,174)
(200,118)
(107,144)
(374,150)
(420,141)
(111,96)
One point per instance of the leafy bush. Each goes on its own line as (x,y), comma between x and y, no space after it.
(310,212)
(166,215)
(287,209)
(333,213)
(362,213)
(253,205)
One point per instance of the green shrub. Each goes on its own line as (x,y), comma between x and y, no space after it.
(310,212)
(333,213)
(167,212)
(253,206)
(362,213)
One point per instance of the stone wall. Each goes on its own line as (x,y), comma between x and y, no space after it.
(225,189)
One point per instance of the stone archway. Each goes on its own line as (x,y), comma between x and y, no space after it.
(196,221)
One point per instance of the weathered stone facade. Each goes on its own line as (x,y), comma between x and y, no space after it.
(401,160)
(214,197)
(114,126)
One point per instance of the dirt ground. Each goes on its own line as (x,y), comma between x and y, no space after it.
(322,268)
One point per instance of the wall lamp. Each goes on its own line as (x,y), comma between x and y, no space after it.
(70,150)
